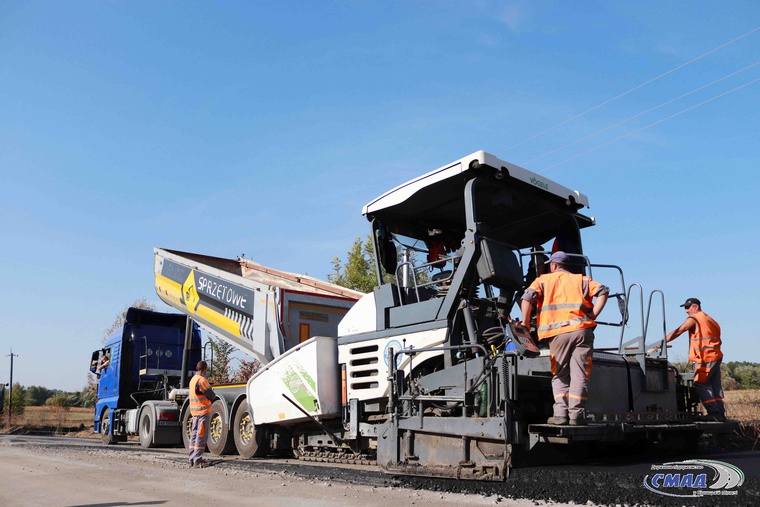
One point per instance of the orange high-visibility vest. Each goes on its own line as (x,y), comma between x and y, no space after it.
(199,402)
(704,341)
(564,303)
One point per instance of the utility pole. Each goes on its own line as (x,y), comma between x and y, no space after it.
(10,395)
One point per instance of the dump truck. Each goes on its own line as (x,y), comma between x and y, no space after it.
(143,368)
(429,374)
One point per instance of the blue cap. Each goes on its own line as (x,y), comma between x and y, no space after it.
(558,258)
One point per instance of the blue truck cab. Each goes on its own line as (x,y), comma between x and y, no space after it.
(139,370)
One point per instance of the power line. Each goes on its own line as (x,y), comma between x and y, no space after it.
(643,113)
(650,125)
(629,91)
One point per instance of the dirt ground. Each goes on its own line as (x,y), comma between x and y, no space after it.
(62,471)
(66,472)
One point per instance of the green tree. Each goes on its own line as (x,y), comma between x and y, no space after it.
(88,396)
(734,374)
(422,276)
(246,370)
(220,365)
(19,399)
(90,391)
(747,375)
(728,382)
(728,369)
(358,272)
(743,373)
(37,395)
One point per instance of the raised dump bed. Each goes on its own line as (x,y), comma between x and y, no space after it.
(261,310)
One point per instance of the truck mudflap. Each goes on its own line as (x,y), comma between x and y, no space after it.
(157,423)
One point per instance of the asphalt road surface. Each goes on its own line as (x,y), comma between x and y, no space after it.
(81,472)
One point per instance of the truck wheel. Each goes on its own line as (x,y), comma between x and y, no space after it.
(219,435)
(146,429)
(250,440)
(187,426)
(105,428)
(187,429)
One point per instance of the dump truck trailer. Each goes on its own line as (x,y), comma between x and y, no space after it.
(261,311)
(142,391)
(429,374)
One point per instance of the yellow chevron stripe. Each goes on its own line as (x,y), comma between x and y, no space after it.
(169,291)
(219,320)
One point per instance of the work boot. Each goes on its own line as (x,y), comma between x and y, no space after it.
(191,464)
(201,463)
(557,421)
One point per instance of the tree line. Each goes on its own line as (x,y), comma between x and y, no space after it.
(222,369)
(734,375)
(39,396)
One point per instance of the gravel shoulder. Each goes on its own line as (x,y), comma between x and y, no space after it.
(62,472)
(54,471)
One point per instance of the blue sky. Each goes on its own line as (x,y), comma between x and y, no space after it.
(263,128)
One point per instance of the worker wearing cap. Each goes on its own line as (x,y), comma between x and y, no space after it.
(705,353)
(566,317)
(201,398)
(105,360)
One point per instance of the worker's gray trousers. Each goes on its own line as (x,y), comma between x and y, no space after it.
(571,366)
(198,436)
(710,391)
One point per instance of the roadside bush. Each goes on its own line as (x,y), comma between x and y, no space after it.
(60,405)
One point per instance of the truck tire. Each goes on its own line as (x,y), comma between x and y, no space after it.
(187,425)
(250,440)
(106,435)
(146,429)
(219,435)
(187,429)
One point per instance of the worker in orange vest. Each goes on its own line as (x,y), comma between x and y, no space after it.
(705,353)
(201,398)
(566,316)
